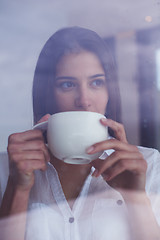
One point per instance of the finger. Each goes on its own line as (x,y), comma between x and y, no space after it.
(25,136)
(118,129)
(27,155)
(44,118)
(28,148)
(133,165)
(31,165)
(113,158)
(111,144)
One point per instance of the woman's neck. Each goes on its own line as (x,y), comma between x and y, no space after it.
(71,177)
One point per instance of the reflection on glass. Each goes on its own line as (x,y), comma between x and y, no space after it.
(68,201)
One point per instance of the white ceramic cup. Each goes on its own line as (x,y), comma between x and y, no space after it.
(69,134)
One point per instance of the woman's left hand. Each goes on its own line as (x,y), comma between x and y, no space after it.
(125,168)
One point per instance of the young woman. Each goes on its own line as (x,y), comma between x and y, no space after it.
(75,72)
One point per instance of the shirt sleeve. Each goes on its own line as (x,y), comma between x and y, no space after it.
(152,156)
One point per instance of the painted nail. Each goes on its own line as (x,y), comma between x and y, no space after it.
(104,119)
(90,149)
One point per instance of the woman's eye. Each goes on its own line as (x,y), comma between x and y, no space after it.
(98,82)
(66,85)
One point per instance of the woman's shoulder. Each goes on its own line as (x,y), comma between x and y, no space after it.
(4,163)
(151,155)
(3,155)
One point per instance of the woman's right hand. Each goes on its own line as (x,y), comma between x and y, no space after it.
(27,152)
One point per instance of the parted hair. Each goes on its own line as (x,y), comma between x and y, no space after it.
(65,41)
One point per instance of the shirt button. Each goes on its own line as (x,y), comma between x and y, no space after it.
(119,202)
(71,219)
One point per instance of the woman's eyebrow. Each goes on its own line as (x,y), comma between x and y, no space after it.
(65,78)
(98,75)
(73,78)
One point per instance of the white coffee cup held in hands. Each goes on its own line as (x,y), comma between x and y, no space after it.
(69,134)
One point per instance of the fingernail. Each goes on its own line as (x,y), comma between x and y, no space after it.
(90,149)
(28,174)
(103,119)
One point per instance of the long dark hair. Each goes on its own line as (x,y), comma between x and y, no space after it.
(67,40)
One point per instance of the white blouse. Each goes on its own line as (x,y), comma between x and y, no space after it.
(99,212)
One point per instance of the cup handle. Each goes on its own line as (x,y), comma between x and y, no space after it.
(41,126)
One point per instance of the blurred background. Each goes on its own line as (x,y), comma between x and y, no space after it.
(133,31)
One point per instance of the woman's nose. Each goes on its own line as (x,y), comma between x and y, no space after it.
(83,100)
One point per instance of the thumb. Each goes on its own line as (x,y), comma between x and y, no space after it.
(44,118)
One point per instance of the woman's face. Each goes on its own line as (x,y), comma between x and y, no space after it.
(80,84)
